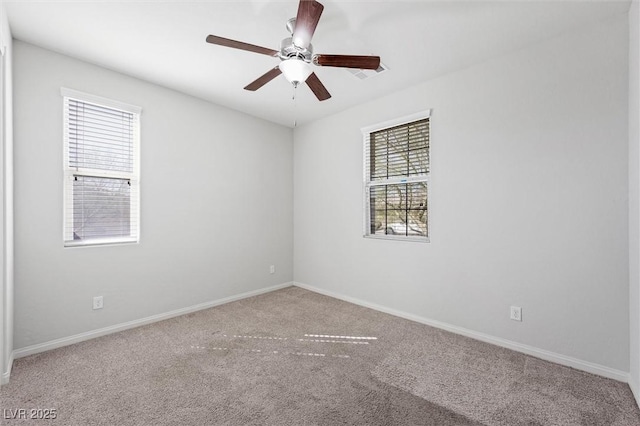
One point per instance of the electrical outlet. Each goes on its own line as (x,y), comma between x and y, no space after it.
(97,302)
(516,313)
(272,269)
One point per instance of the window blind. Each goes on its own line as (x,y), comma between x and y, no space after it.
(396,169)
(99,137)
(101,172)
(400,151)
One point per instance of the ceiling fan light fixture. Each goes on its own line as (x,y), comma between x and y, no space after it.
(296,53)
(295,70)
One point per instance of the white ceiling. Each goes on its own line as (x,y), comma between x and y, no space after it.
(164,42)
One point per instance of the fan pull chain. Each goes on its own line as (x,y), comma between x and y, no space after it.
(295,103)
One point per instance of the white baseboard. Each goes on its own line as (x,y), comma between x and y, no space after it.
(519,347)
(4,379)
(633,384)
(65,341)
(576,363)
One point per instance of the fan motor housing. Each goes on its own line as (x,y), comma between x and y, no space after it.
(290,50)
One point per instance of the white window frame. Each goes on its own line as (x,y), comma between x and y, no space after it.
(71,172)
(366,132)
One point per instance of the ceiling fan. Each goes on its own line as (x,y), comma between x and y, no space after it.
(296,53)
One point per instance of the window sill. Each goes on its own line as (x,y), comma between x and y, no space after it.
(398,238)
(101,242)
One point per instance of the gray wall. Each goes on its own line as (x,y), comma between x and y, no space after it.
(216,205)
(634,197)
(6,201)
(528,200)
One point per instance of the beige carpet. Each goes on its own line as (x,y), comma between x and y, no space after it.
(293,357)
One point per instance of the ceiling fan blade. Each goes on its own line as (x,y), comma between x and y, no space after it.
(348,61)
(317,87)
(309,12)
(221,41)
(263,79)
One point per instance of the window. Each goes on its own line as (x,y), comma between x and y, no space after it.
(396,173)
(101,170)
